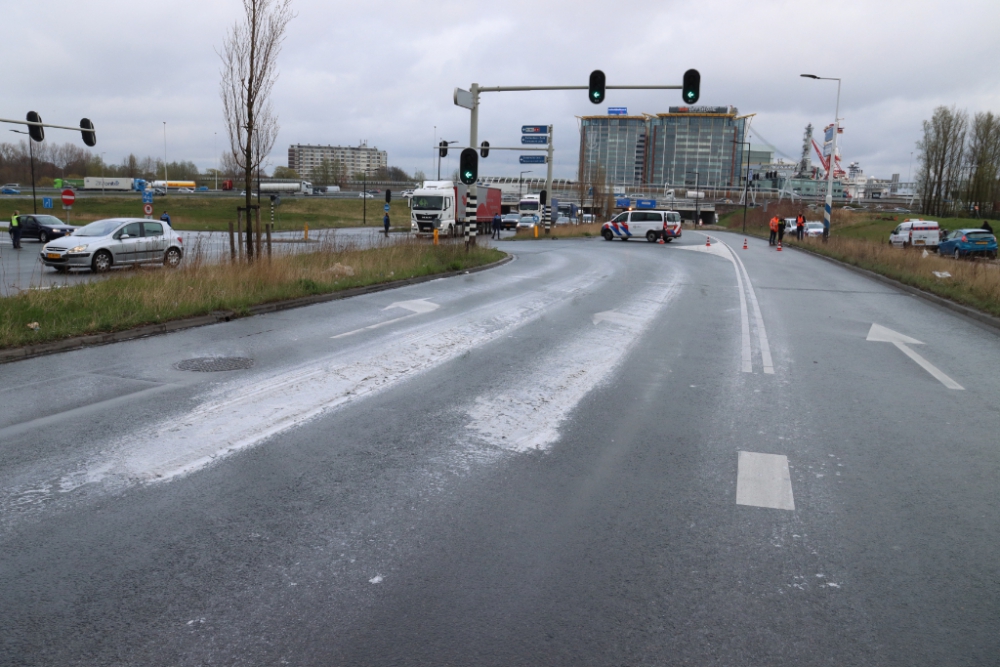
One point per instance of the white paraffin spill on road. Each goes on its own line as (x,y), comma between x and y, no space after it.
(241,415)
(528,415)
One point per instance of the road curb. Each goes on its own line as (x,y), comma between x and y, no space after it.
(92,340)
(961,309)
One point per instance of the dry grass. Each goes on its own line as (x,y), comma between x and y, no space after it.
(146,296)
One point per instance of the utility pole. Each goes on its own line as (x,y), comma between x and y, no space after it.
(166,188)
(828,209)
(547,213)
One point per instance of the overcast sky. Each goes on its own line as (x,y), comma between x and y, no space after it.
(385,71)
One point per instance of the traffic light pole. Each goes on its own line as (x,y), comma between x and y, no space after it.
(547,213)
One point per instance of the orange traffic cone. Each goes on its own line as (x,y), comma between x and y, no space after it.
(779,246)
(661,241)
(744,244)
(708,241)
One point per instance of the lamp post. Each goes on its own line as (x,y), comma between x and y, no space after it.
(520,180)
(166,188)
(215,149)
(827,210)
(31,159)
(102,172)
(746,186)
(439,157)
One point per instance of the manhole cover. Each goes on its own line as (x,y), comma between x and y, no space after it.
(213,364)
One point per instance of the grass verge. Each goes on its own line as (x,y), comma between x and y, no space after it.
(150,296)
(213,213)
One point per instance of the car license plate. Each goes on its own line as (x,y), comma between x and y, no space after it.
(53,255)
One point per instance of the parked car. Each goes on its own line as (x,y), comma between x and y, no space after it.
(969,243)
(43,227)
(366,195)
(814,230)
(651,225)
(115,242)
(509,220)
(923,233)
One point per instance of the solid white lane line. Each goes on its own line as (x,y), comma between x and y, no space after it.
(374,326)
(763,480)
(724,251)
(881,334)
(765,349)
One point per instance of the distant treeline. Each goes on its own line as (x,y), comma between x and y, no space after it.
(960,162)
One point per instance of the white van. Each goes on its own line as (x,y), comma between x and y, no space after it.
(653,225)
(922,233)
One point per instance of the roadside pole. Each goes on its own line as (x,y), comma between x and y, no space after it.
(472,191)
(547,212)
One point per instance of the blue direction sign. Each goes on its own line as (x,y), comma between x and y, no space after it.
(623,202)
(645,203)
(147,196)
(386,208)
(46,202)
(534,129)
(617,111)
(532,159)
(534,139)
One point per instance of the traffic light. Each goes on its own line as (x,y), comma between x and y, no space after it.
(37,133)
(388,196)
(692,86)
(468,166)
(543,197)
(443,149)
(484,149)
(87,128)
(597,82)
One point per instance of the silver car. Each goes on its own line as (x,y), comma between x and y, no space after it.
(115,242)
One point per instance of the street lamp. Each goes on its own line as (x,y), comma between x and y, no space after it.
(439,157)
(31,158)
(833,156)
(102,172)
(364,194)
(166,188)
(520,179)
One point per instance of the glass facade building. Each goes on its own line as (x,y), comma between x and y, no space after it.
(684,147)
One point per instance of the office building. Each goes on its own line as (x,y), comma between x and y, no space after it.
(688,146)
(304,157)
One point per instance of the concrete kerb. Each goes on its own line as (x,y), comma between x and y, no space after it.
(91,340)
(967,311)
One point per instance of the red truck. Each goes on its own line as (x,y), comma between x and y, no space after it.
(488,205)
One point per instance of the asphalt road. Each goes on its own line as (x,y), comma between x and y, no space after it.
(22,270)
(598,454)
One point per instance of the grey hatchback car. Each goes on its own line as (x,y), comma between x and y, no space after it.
(115,242)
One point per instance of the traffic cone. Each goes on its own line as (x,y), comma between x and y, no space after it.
(661,241)
(708,241)
(744,244)
(779,246)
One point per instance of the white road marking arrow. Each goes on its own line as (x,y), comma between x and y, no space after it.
(416,307)
(615,318)
(881,334)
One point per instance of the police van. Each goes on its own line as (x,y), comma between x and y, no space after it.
(923,233)
(651,225)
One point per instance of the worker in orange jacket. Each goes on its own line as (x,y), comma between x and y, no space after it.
(800,226)
(774,231)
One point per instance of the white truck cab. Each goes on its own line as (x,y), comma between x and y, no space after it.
(651,225)
(433,206)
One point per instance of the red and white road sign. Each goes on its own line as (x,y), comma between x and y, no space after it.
(68,197)
(148,209)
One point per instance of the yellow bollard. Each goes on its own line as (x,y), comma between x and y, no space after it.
(435,237)
(306,232)
(536,231)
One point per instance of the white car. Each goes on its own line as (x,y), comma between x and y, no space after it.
(527,221)
(923,233)
(186,191)
(366,195)
(814,230)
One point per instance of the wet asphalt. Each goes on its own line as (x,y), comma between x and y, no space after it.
(538,467)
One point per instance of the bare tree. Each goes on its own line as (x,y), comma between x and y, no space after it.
(249,70)
(984,161)
(942,150)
